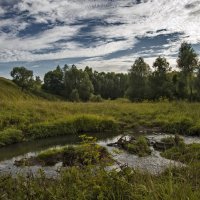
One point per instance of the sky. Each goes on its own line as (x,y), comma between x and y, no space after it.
(107,35)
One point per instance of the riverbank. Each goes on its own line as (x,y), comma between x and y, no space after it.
(96,182)
(23,120)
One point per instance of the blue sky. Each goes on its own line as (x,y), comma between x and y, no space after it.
(107,35)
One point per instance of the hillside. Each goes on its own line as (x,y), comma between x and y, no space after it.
(10,91)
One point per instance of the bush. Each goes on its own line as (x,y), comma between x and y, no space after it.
(184,153)
(96,98)
(175,124)
(10,136)
(74,96)
(176,140)
(140,147)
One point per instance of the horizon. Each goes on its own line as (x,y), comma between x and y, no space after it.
(105,35)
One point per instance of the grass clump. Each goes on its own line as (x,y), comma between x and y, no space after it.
(139,147)
(184,153)
(10,136)
(87,153)
(175,140)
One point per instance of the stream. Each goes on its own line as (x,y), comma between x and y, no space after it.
(154,163)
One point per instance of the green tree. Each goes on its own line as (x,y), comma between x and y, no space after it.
(53,81)
(72,78)
(74,96)
(161,85)
(77,79)
(85,87)
(187,61)
(197,82)
(138,80)
(23,77)
(37,83)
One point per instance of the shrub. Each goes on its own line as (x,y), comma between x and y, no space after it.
(184,153)
(74,96)
(96,98)
(140,147)
(176,140)
(10,136)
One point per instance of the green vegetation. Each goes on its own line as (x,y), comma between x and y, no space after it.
(175,140)
(141,83)
(139,147)
(86,183)
(83,180)
(87,153)
(26,114)
(76,124)
(10,136)
(10,91)
(39,118)
(184,153)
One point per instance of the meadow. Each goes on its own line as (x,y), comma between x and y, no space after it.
(35,118)
(26,116)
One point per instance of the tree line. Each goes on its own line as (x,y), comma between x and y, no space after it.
(142,82)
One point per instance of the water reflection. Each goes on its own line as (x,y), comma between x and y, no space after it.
(16,150)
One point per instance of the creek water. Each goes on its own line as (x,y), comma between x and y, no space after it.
(153,163)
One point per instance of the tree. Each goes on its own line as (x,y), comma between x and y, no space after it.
(53,81)
(161,85)
(77,79)
(72,78)
(197,82)
(85,87)
(23,77)
(74,96)
(37,83)
(138,80)
(187,61)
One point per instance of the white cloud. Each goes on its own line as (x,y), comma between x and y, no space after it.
(1,11)
(136,20)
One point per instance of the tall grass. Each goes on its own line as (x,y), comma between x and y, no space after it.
(87,183)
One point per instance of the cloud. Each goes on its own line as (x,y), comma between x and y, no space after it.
(35,30)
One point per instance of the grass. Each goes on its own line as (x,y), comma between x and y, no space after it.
(26,116)
(184,153)
(10,136)
(30,114)
(139,147)
(87,183)
(33,117)
(87,153)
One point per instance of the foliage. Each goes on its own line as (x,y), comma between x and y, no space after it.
(188,62)
(22,77)
(160,82)
(176,140)
(10,136)
(138,78)
(87,153)
(184,153)
(53,81)
(139,147)
(71,125)
(96,98)
(140,84)
(89,183)
(74,96)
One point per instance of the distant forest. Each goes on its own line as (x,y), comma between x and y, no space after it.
(142,82)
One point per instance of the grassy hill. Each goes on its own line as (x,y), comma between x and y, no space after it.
(9,91)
